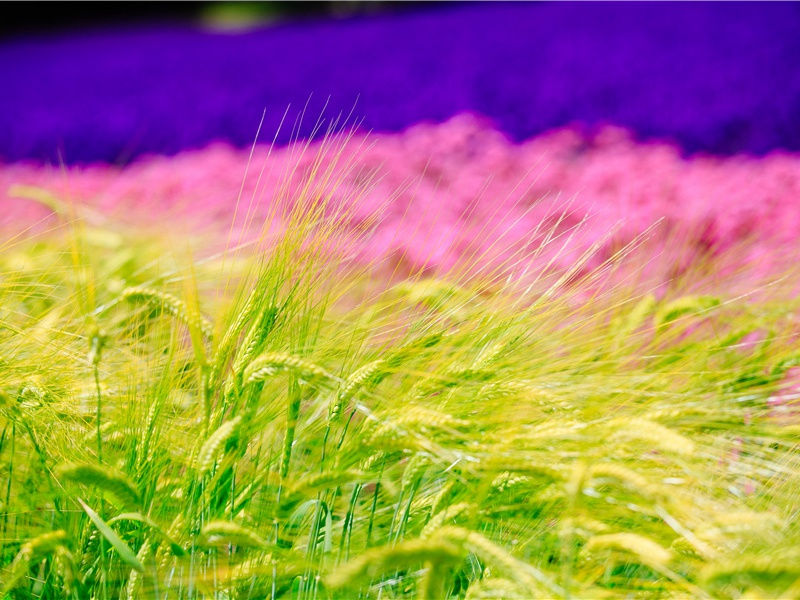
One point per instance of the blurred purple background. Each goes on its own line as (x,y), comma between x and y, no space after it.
(713,77)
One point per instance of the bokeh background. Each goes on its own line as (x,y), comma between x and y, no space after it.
(687,114)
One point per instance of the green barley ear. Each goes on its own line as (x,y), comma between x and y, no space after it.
(626,477)
(415,470)
(109,480)
(418,415)
(586,526)
(329,479)
(643,549)
(42,545)
(526,575)
(517,464)
(506,481)
(389,436)
(495,588)
(169,304)
(170,546)
(435,294)
(442,496)
(654,433)
(270,363)
(218,533)
(439,519)
(575,483)
(505,389)
(255,338)
(252,569)
(66,567)
(209,451)
(377,561)
(134,585)
(357,381)
(233,332)
(682,307)
(763,568)
(684,548)
(31,395)
(472,373)
(625,325)
(636,317)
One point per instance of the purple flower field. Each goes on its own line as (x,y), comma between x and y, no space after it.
(710,77)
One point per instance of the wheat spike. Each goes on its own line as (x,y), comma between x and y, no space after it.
(170,304)
(326,480)
(635,318)
(683,547)
(253,568)
(582,523)
(763,566)
(643,429)
(7,405)
(508,389)
(415,469)
(646,551)
(469,373)
(255,338)
(419,415)
(503,389)
(355,382)
(431,292)
(388,434)
(516,464)
(495,588)
(378,560)
(442,496)
(626,477)
(438,520)
(134,584)
(110,480)
(30,550)
(164,554)
(207,456)
(272,362)
(526,575)
(360,376)
(225,532)
(66,567)
(682,307)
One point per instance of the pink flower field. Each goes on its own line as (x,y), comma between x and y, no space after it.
(459,190)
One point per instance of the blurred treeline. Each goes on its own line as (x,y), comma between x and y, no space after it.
(21,18)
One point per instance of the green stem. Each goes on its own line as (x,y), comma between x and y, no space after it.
(293,412)
(374,506)
(7,504)
(98,414)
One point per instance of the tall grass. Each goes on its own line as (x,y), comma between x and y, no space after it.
(273,422)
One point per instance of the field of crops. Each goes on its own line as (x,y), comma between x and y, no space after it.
(275,420)
(445,360)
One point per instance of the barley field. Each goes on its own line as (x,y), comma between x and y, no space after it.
(272,420)
(523,324)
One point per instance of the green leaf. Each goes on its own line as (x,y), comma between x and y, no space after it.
(177,550)
(125,552)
